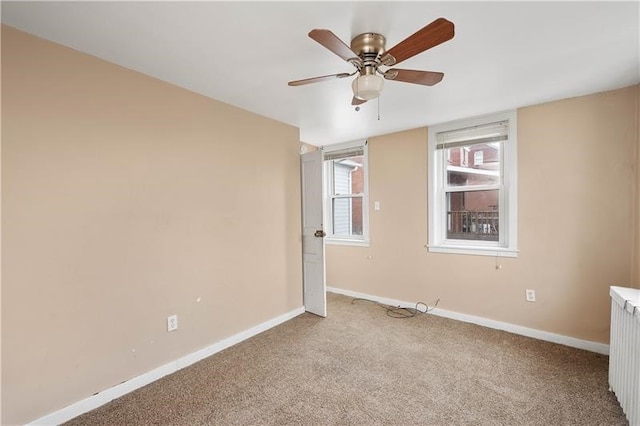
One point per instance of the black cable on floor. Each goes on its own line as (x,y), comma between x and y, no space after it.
(399,312)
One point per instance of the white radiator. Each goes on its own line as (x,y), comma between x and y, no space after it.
(624,351)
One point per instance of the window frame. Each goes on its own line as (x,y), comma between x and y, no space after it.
(507,196)
(329,196)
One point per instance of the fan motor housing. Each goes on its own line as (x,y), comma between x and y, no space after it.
(369,45)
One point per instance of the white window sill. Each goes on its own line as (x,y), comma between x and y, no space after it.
(474,250)
(344,242)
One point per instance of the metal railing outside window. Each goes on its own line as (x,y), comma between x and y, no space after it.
(473,225)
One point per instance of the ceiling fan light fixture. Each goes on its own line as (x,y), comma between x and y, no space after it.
(367,87)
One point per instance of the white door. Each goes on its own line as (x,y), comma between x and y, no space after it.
(315,296)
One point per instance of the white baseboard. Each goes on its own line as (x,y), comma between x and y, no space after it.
(103,397)
(600,348)
(107,395)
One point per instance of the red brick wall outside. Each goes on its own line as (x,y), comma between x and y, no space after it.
(475,200)
(357,186)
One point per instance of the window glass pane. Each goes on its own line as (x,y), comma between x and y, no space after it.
(348,175)
(475,164)
(347,217)
(473,215)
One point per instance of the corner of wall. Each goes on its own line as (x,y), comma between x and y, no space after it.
(636,248)
(1,228)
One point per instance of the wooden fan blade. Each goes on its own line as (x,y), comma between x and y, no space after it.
(426,78)
(356,101)
(333,43)
(432,35)
(318,79)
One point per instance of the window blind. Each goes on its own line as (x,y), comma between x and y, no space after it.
(344,153)
(492,132)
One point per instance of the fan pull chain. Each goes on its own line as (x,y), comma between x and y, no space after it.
(378,108)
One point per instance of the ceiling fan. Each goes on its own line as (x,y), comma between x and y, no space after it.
(367,53)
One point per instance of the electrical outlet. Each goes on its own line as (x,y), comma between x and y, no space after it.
(172,323)
(530,295)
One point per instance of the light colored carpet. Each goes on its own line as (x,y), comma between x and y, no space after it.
(360,367)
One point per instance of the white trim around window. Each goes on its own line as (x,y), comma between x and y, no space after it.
(334,152)
(501,127)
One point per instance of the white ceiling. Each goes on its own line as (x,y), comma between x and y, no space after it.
(504,54)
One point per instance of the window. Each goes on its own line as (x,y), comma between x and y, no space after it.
(472,192)
(346,201)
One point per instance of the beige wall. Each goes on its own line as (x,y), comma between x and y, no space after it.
(575,225)
(125,200)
